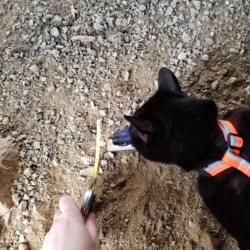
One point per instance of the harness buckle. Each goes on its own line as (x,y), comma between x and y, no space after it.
(234,141)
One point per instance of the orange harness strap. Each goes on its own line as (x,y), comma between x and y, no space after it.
(231,158)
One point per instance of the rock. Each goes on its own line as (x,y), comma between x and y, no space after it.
(23,247)
(179,186)
(6,218)
(191,224)
(104,162)
(247,94)
(36,145)
(185,37)
(28,172)
(26,197)
(54,32)
(232,80)
(56,21)
(169,10)
(121,22)
(142,7)
(110,21)
(35,70)
(5,120)
(205,57)
(235,51)
(84,39)
(91,52)
(209,41)
(224,52)
(23,205)
(87,171)
(182,56)
(98,26)
(126,76)
(214,85)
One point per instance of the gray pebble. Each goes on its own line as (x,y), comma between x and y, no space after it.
(142,7)
(232,50)
(169,10)
(98,26)
(126,76)
(214,85)
(209,41)
(36,145)
(84,39)
(54,32)
(205,57)
(35,70)
(56,21)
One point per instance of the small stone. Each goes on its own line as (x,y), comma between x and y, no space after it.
(104,162)
(56,21)
(5,121)
(84,39)
(203,244)
(91,52)
(28,172)
(23,205)
(191,224)
(169,10)
(205,57)
(142,7)
(235,51)
(232,80)
(112,185)
(182,56)
(121,22)
(36,145)
(134,105)
(87,171)
(214,85)
(87,135)
(26,197)
(247,94)
(179,186)
(185,37)
(102,112)
(23,247)
(35,70)
(98,26)
(110,21)
(126,76)
(209,41)
(6,218)
(54,32)
(224,52)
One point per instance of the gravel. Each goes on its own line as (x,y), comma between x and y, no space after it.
(62,67)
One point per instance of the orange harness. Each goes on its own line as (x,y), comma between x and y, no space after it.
(231,158)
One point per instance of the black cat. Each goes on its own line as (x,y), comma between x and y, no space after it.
(172,127)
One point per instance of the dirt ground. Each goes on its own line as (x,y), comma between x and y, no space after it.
(139,204)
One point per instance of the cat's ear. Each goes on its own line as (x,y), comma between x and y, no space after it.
(143,125)
(167,82)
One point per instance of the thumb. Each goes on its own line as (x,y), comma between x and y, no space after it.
(90,224)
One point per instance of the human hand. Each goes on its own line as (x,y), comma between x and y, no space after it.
(69,231)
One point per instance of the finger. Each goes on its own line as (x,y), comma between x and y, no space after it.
(68,204)
(90,224)
(58,213)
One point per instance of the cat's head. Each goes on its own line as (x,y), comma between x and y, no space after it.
(170,124)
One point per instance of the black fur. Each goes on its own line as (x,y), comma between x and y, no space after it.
(172,127)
